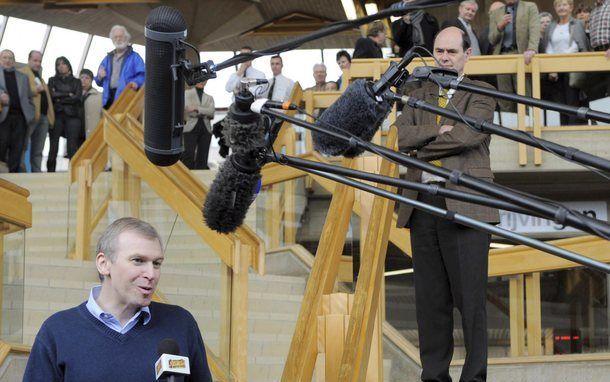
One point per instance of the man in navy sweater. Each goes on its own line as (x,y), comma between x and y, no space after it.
(114,335)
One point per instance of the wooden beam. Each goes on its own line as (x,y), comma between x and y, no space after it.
(302,354)
(14,205)
(517,316)
(368,288)
(534,314)
(238,363)
(83,211)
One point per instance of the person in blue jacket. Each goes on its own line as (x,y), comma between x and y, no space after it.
(121,68)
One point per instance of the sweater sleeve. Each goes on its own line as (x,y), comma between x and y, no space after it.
(42,363)
(200,371)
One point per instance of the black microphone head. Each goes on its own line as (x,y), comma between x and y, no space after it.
(168,346)
(357,112)
(231,194)
(164,98)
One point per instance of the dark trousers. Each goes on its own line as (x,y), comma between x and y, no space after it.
(12,140)
(70,127)
(197,147)
(562,92)
(110,101)
(450,270)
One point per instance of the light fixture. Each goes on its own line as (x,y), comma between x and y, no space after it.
(371,8)
(350,9)
(398,272)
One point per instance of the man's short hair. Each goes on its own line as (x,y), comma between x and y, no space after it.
(32,52)
(247,47)
(545,14)
(462,3)
(343,53)
(277,56)
(375,28)
(87,73)
(319,65)
(117,27)
(557,2)
(8,50)
(107,244)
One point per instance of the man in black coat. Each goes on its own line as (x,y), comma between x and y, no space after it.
(414,28)
(466,13)
(370,46)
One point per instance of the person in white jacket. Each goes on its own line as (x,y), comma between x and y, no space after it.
(199,111)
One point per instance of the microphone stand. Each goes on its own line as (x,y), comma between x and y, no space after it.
(447,79)
(569,153)
(431,189)
(557,213)
(330,172)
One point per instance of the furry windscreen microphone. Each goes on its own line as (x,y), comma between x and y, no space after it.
(232,192)
(243,134)
(357,112)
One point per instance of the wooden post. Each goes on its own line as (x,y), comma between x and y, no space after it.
(272,216)
(83,211)
(302,355)
(1,277)
(290,201)
(517,316)
(224,333)
(358,346)
(521,108)
(537,112)
(534,315)
(238,361)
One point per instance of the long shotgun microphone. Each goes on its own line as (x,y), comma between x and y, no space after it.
(164,90)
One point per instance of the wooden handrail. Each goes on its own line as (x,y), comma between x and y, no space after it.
(15,208)
(186,204)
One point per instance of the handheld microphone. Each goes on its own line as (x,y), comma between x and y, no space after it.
(170,366)
(235,187)
(261,103)
(358,113)
(164,118)
(254,81)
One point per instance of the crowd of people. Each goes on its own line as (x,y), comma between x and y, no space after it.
(67,106)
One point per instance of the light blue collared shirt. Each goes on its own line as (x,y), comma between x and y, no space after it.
(108,319)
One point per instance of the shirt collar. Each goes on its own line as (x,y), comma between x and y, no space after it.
(97,311)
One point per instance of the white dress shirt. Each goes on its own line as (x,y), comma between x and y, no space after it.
(233,84)
(282,87)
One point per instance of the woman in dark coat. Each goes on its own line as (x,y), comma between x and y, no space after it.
(66,92)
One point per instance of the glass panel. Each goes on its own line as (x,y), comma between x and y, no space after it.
(63,42)
(22,36)
(97,51)
(575,310)
(13,285)
(216,86)
(298,65)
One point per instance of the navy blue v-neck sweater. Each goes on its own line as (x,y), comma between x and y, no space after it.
(74,346)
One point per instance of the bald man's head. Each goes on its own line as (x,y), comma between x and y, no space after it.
(452,49)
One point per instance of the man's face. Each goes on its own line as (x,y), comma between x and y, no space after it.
(380,38)
(276,66)
(468,11)
(86,81)
(35,61)
(319,74)
(119,39)
(201,85)
(132,277)
(448,50)
(343,63)
(7,60)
